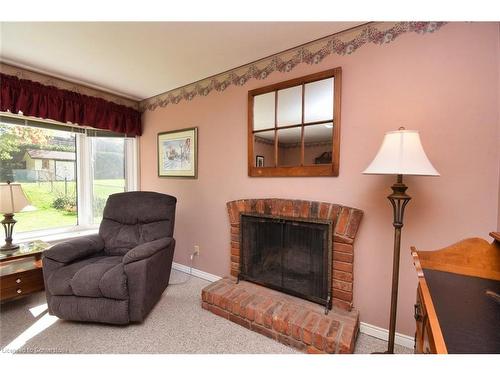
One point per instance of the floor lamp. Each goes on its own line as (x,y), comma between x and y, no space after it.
(401,154)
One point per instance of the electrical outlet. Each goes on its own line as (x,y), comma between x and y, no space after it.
(196,250)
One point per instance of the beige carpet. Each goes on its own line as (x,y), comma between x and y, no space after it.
(177,324)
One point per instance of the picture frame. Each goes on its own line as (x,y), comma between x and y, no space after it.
(259,161)
(177,153)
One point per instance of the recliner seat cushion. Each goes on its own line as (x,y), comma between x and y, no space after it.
(59,282)
(101,276)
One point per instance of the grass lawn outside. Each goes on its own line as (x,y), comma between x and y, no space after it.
(42,195)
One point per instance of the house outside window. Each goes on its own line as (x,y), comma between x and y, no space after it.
(66,172)
(45,163)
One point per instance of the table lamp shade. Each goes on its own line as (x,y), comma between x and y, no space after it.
(401,153)
(12,198)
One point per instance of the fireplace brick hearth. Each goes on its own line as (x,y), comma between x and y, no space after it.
(291,320)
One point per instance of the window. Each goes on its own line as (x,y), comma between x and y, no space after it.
(294,127)
(66,172)
(108,172)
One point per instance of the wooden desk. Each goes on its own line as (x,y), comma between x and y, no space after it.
(458,298)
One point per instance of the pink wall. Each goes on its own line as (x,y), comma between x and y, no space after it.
(443,84)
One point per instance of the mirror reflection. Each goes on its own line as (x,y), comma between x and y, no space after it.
(263,111)
(318,100)
(318,145)
(294,126)
(289,146)
(290,106)
(264,149)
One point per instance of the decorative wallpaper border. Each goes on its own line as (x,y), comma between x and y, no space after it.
(264,141)
(292,145)
(343,43)
(47,80)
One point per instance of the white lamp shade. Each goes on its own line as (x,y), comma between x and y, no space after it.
(401,153)
(12,198)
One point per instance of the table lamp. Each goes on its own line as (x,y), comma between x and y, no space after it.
(12,199)
(401,154)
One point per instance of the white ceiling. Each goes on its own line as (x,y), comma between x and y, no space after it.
(143,59)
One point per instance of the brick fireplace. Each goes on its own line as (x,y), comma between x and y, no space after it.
(288,319)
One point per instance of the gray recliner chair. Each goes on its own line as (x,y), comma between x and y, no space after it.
(118,275)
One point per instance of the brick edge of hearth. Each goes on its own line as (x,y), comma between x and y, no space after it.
(293,322)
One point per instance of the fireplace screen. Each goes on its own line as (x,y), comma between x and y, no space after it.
(290,255)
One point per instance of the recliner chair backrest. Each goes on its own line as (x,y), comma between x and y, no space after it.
(133,218)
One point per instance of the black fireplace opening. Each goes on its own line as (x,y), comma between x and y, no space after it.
(288,254)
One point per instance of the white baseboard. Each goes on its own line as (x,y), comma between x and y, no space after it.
(383,334)
(195,272)
(366,328)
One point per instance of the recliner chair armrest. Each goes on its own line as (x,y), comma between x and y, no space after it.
(148,273)
(146,250)
(75,248)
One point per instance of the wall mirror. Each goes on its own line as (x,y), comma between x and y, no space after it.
(294,127)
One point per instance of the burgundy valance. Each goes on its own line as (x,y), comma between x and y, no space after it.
(49,102)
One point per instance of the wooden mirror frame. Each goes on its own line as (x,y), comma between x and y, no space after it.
(331,169)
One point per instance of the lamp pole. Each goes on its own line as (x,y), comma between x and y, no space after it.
(399,199)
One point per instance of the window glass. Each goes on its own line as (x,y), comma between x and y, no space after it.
(54,163)
(43,161)
(108,172)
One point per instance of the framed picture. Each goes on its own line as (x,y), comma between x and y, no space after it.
(178,153)
(259,161)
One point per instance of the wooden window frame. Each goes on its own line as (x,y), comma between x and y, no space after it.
(302,170)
